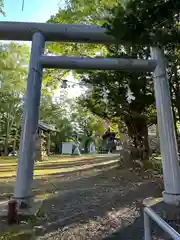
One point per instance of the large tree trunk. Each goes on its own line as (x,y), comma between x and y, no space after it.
(6,141)
(138,132)
(14,144)
(146,143)
(87,142)
(6,146)
(86,146)
(9,125)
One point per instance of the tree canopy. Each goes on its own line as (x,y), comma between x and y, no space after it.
(149,22)
(13,65)
(125,99)
(2,7)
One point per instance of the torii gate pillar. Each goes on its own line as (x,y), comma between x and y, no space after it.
(168,142)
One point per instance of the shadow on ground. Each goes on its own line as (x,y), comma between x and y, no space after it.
(42,182)
(95,207)
(102,202)
(136,229)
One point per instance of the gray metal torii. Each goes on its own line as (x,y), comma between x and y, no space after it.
(39,33)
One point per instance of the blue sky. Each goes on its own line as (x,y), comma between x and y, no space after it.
(34,10)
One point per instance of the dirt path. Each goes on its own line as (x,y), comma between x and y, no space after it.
(98,204)
(92,202)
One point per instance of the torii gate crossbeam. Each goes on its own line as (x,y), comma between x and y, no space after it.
(23,31)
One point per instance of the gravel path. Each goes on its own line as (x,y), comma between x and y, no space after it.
(97,204)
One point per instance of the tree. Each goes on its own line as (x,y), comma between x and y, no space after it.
(1,7)
(151,22)
(87,127)
(138,112)
(13,66)
(54,113)
(80,12)
(94,13)
(72,122)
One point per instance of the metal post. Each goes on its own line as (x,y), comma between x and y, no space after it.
(150,214)
(27,144)
(147,227)
(168,143)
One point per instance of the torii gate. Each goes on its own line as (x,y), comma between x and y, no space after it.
(39,33)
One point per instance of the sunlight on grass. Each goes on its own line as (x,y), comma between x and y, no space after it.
(47,171)
(46,188)
(11,172)
(70,169)
(8,174)
(69,159)
(8,161)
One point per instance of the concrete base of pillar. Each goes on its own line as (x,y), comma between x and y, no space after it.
(172,199)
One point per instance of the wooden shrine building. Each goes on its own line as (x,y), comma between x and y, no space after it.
(43,140)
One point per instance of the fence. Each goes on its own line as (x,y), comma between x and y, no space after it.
(150,214)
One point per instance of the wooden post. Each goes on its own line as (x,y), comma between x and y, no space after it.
(12,212)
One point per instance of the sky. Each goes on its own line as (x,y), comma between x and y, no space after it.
(35,11)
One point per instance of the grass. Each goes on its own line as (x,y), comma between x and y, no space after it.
(47,172)
(8,166)
(45,182)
